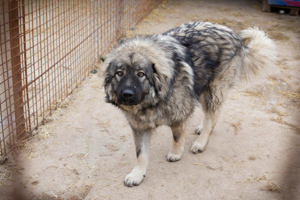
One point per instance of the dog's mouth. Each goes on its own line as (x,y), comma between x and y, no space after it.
(128,102)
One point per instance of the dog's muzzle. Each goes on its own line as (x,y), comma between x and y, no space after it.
(128,97)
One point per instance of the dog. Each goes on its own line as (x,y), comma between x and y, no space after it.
(159,79)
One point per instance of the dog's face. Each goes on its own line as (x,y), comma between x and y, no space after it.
(129,80)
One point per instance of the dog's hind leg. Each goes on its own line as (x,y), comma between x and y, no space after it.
(137,174)
(178,143)
(211,101)
(200,143)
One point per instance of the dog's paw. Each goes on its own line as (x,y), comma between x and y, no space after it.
(197,147)
(135,177)
(172,157)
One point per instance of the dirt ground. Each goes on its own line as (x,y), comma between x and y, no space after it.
(86,148)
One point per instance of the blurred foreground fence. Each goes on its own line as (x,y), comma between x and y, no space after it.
(47,48)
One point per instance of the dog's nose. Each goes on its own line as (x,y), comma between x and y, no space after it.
(127,93)
(128,97)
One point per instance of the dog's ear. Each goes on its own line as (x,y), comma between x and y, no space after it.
(108,74)
(156,79)
(154,69)
(108,85)
(161,82)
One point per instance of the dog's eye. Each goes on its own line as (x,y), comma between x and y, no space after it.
(120,73)
(140,74)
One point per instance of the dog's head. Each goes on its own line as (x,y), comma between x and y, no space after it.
(137,73)
(129,79)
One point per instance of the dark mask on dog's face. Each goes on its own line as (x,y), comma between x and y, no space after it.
(129,80)
(130,90)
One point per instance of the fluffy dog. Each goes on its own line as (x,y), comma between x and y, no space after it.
(159,79)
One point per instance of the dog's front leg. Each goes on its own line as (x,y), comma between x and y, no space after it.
(137,174)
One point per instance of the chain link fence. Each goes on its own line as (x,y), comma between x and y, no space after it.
(47,47)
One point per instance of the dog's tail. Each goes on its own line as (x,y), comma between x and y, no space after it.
(260,54)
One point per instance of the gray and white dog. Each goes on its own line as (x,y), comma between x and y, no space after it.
(159,79)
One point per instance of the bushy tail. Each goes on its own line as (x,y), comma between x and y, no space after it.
(260,54)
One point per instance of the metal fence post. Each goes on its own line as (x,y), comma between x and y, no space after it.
(16,66)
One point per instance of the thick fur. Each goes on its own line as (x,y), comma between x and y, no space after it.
(158,80)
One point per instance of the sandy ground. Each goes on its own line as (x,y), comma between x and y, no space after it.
(86,148)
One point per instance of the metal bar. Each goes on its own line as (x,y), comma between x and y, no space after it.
(25,66)
(7,83)
(16,66)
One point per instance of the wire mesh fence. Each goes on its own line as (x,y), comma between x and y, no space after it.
(47,47)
